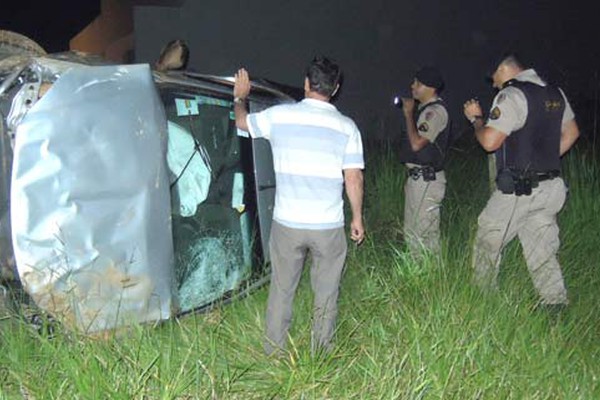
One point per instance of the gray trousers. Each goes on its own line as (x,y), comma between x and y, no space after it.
(289,248)
(533,220)
(422,202)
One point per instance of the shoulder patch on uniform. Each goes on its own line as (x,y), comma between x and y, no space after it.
(424,127)
(495,113)
(429,115)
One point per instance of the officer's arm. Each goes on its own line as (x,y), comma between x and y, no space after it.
(490,138)
(487,135)
(568,136)
(417,142)
(569,130)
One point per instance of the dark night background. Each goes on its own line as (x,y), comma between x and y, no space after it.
(379,44)
(50,23)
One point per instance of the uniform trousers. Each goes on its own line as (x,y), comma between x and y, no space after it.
(289,248)
(422,203)
(533,219)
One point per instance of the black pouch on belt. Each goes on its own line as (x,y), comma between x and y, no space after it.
(428,173)
(505,181)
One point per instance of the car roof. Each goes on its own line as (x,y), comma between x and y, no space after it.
(262,89)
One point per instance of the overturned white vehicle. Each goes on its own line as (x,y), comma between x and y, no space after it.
(128,195)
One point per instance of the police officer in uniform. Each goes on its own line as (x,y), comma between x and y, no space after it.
(423,152)
(530,126)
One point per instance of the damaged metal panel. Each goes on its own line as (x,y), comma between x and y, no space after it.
(7,264)
(126,205)
(90,206)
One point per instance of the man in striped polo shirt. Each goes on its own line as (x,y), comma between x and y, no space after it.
(316,152)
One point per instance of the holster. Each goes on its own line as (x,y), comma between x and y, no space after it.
(520,183)
(427,172)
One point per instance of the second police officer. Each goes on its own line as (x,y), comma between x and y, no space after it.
(530,126)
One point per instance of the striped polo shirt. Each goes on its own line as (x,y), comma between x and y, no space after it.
(312,143)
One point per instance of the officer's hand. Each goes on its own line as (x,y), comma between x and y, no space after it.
(357,230)
(472,109)
(408,105)
(242,85)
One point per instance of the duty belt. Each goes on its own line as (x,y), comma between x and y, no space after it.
(519,182)
(427,172)
(548,175)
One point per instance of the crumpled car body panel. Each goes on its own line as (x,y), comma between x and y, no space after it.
(90,206)
(134,197)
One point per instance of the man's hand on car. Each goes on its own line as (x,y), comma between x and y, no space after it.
(241,88)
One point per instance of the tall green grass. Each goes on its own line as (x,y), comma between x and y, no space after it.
(408,329)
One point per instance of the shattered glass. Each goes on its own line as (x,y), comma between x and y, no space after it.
(213,245)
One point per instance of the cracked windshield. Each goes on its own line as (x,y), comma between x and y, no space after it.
(211,227)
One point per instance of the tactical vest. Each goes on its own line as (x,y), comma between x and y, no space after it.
(536,146)
(434,153)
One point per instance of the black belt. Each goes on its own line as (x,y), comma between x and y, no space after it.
(419,170)
(548,175)
(427,172)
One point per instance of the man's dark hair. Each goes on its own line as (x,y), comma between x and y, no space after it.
(323,75)
(513,59)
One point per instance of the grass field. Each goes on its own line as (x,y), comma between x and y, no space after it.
(406,329)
